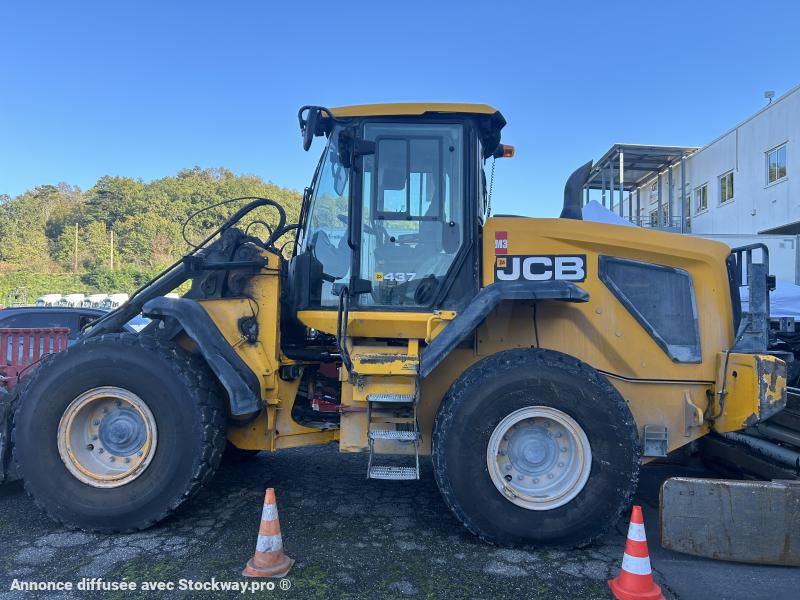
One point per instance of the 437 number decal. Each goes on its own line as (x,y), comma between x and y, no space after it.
(399,277)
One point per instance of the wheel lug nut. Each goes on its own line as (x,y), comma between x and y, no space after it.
(558,434)
(105,410)
(549,475)
(520,477)
(535,480)
(100,451)
(508,467)
(94,438)
(564,449)
(560,465)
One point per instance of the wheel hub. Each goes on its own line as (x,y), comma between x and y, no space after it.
(122,432)
(107,437)
(539,458)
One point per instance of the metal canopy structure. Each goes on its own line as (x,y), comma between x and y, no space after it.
(626,167)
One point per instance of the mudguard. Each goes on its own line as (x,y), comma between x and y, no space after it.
(233,373)
(483,303)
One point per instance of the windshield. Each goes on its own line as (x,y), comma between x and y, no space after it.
(325,232)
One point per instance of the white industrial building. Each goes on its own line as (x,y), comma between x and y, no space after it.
(746,181)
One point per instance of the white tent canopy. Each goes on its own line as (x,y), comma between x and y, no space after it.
(596,212)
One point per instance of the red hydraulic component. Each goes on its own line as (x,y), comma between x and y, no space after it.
(324,406)
(21,347)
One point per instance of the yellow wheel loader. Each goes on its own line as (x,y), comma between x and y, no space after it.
(539,362)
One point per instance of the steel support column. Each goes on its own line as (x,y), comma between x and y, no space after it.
(670,185)
(603,194)
(658,216)
(621,181)
(683,193)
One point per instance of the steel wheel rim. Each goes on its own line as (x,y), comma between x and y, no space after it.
(107,437)
(539,458)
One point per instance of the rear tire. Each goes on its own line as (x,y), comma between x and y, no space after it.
(166,426)
(503,426)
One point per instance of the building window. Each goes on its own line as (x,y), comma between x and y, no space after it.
(700,199)
(654,218)
(687,208)
(776,164)
(726,187)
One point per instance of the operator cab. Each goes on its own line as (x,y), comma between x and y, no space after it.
(392,216)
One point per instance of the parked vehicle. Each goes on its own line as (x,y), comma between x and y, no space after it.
(73,300)
(114,301)
(94,300)
(48,300)
(539,361)
(75,318)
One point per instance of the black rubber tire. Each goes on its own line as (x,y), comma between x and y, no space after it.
(186,405)
(234,455)
(502,383)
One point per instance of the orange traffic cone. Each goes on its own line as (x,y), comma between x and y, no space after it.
(635,580)
(269,559)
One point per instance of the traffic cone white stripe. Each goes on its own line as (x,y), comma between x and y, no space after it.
(269,543)
(636,532)
(636,565)
(269,512)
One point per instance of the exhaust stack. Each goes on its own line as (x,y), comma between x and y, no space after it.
(573,192)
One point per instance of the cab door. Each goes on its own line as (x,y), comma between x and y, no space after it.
(413,221)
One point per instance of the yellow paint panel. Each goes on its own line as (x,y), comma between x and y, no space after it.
(411,108)
(380,324)
(755,384)
(602,332)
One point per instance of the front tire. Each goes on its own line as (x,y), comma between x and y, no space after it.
(534,447)
(116,432)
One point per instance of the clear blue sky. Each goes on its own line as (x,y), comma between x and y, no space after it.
(145,88)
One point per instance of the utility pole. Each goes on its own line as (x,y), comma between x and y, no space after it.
(112,249)
(75,252)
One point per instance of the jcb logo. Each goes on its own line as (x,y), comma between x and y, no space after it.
(569,267)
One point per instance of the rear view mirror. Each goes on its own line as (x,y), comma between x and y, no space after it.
(310,127)
(309,118)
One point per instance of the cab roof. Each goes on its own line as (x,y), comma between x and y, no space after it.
(412,108)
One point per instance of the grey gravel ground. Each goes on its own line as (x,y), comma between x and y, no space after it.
(352,538)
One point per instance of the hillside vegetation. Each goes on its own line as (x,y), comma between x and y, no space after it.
(38,228)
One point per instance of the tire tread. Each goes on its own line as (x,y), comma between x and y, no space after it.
(540,359)
(195,376)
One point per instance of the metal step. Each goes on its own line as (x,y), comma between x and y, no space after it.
(384,472)
(392,434)
(394,398)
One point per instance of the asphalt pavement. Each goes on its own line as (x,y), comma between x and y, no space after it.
(352,538)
